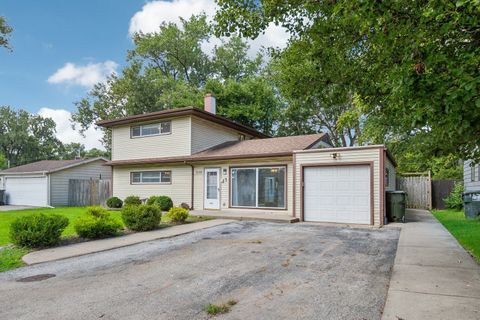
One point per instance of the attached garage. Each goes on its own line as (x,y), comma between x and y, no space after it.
(343,185)
(340,193)
(27,191)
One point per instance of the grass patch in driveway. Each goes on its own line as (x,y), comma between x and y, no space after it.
(213,309)
(467,232)
(11,258)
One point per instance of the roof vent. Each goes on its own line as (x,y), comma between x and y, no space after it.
(210,103)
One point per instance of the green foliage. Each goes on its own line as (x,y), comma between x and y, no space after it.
(37,230)
(26,137)
(5,31)
(213,309)
(11,258)
(132,201)
(455,200)
(168,69)
(466,231)
(97,223)
(413,63)
(74,149)
(176,214)
(142,217)
(164,202)
(114,202)
(3,162)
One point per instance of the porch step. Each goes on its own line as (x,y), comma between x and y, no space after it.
(246,217)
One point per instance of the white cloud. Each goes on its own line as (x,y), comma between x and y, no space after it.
(83,75)
(67,134)
(153,13)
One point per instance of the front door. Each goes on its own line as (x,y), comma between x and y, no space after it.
(212,188)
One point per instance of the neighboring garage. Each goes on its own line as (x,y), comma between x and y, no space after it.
(343,185)
(46,183)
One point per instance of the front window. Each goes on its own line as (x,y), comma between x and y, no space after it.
(258,187)
(151,177)
(472,171)
(151,129)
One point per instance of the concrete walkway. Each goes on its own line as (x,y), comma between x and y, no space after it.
(433,276)
(245,215)
(83,248)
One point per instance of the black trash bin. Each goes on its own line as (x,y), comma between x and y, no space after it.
(396,206)
(2,197)
(471,203)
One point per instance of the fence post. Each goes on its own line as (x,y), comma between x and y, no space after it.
(429,190)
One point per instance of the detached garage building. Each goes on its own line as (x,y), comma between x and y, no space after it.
(45,183)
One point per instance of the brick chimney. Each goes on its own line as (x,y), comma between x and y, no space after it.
(210,103)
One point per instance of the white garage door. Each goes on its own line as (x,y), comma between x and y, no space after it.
(27,191)
(337,194)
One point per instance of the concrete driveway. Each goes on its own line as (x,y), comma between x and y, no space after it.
(274,271)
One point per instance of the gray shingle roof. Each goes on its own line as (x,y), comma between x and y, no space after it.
(45,166)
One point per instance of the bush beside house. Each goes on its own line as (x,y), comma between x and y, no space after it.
(132,201)
(97,223)
(142,217)
(164,202)
(37,230)
(177,215)
(114,202)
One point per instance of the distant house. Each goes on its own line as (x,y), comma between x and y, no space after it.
(45,183)
(471,176)
(212,163)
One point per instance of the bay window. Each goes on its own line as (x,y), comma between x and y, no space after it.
(258,187)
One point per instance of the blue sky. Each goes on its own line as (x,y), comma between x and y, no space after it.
(61,48)
(49,34)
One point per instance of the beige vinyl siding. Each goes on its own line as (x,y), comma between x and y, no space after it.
(177,143)
(393,176)
(323,157)
(225,183)
(207,134)
(59,180)
(467,176)
(179,190)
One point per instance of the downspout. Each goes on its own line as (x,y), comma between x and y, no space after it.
(193,181)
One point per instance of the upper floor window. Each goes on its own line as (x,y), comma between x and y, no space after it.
(151,177)
(472,172)
(151,129)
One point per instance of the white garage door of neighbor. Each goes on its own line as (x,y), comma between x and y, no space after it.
(31,191)
(337,194)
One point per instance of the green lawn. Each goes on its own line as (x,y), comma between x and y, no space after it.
(72,213)
(467,232)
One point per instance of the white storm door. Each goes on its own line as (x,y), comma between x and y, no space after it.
(212,189)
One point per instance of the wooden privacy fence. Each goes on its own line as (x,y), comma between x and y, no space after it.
(418,189)
(423,193)
(92,192)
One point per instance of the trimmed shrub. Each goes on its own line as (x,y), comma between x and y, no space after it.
(164,202)
(132,201)
(177,214)
(97,223)
(37,230)
(142,217)
(114,202)
(455,200)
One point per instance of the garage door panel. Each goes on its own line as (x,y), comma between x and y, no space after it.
(27,191)
(337,194)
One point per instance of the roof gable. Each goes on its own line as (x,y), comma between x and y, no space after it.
(181,112)
(49,165)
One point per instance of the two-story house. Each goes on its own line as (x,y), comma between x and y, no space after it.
(212,163)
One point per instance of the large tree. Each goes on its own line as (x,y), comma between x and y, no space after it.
(168,69)
(415,64)
(5,31)
(25,137)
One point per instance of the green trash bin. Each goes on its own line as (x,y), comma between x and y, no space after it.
(471,203)
(396,206)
